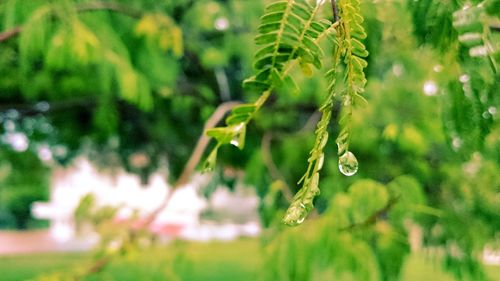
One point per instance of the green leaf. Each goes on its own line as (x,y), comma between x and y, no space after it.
(211,160)
(244,109)
(268,27)
(272,17)
(359,48)
(277,6)
(368,197)
(253,85)
(301,11)
(237,118)
(266,38)
(290,84)
(221,134)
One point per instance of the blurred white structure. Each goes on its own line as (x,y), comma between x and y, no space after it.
(181,218)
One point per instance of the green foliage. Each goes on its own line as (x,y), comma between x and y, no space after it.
(467,32)
(338,247)
(119,76)
(18,191)
(354,53)
(288,33)
(71,42)
(400,133)
(302,203)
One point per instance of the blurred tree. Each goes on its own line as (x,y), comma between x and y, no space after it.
(19,190)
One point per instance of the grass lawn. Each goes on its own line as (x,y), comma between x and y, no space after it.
(24,267)
(239,260)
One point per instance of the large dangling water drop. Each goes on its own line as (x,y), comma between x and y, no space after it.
(348,164)
(295,215)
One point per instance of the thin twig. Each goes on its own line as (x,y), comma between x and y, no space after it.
(268,158)
(310,124)
(374,217)
(10,33)
(109,6)
(335,11)
(96,267)
(193,161)
(189,169)
(272,168)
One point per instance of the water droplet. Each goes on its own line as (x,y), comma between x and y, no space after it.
(60,151)
(438,68)
(221,23)
(342,142)
(397,69)
(430,88)
(238,139)
(301,220)
(464,78)
(44,153)
(235,141)
(207,169)
(348,164)
(324,140)
(12,114)
(321,161)
(42,106)
(295,215)
(479,51)
(456,143)
(347,101)
(211,160)
(18,141)
(492,110)
(9,125)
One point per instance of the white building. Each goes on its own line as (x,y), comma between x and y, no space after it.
(125,191)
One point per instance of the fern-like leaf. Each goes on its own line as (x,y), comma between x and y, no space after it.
(350,49)
(288,33)
(472,24)
(351,34)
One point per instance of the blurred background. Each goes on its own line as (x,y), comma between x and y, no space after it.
(102,104)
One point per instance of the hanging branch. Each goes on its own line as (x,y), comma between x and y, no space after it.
(188,170)
(10,33)
(272,168)
(373,218)
(195,158)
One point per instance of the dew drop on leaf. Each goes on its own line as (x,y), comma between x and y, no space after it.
(238,139)
(348,164)
(295,215)
(235,141)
